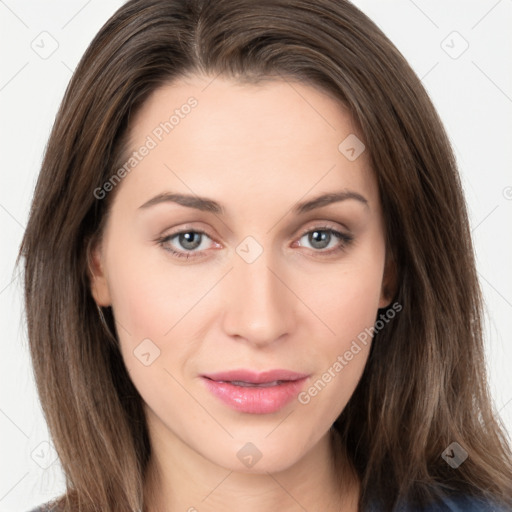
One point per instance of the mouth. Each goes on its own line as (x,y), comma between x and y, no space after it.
(255,393)
(253,385)
(252,377)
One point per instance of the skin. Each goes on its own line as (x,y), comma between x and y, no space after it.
(258,150)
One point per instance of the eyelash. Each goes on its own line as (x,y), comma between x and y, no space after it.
(345,241)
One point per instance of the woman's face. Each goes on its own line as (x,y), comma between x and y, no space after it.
(258,280)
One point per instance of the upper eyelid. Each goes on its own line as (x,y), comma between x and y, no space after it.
(325,226)
(319,225)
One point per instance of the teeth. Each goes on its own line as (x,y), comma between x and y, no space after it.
(251,384)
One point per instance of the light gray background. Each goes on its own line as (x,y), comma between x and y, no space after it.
(472,91)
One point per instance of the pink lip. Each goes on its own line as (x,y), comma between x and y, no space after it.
(255,399)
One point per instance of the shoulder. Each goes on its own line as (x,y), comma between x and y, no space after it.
(465,503)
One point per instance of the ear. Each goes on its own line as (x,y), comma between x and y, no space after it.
(389,281)
(97,275)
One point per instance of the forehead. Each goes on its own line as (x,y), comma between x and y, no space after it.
(269,112)
(209,133)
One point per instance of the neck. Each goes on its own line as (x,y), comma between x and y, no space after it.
(323,479)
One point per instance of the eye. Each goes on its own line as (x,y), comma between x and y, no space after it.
(326,237)
(188,243)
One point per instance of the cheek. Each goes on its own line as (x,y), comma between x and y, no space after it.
(142,298)
(157,306)
(149,293)
(346,301)
(349,301)
(346,297)
(342,355)
(147,304)
(138,300)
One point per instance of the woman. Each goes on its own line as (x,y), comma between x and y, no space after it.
(266,295)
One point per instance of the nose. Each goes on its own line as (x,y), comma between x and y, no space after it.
(259,307)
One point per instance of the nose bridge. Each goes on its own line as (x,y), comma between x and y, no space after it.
(259,306)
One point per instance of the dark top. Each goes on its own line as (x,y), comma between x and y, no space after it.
(459,504)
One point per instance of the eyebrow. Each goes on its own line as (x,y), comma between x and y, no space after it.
(209,205)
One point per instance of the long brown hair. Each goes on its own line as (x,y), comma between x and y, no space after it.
(424,386)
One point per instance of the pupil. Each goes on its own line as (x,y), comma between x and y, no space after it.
(319,237)
(187,240)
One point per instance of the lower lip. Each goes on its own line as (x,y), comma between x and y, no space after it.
(255,400)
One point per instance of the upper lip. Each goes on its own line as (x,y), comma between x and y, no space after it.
(255,377)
